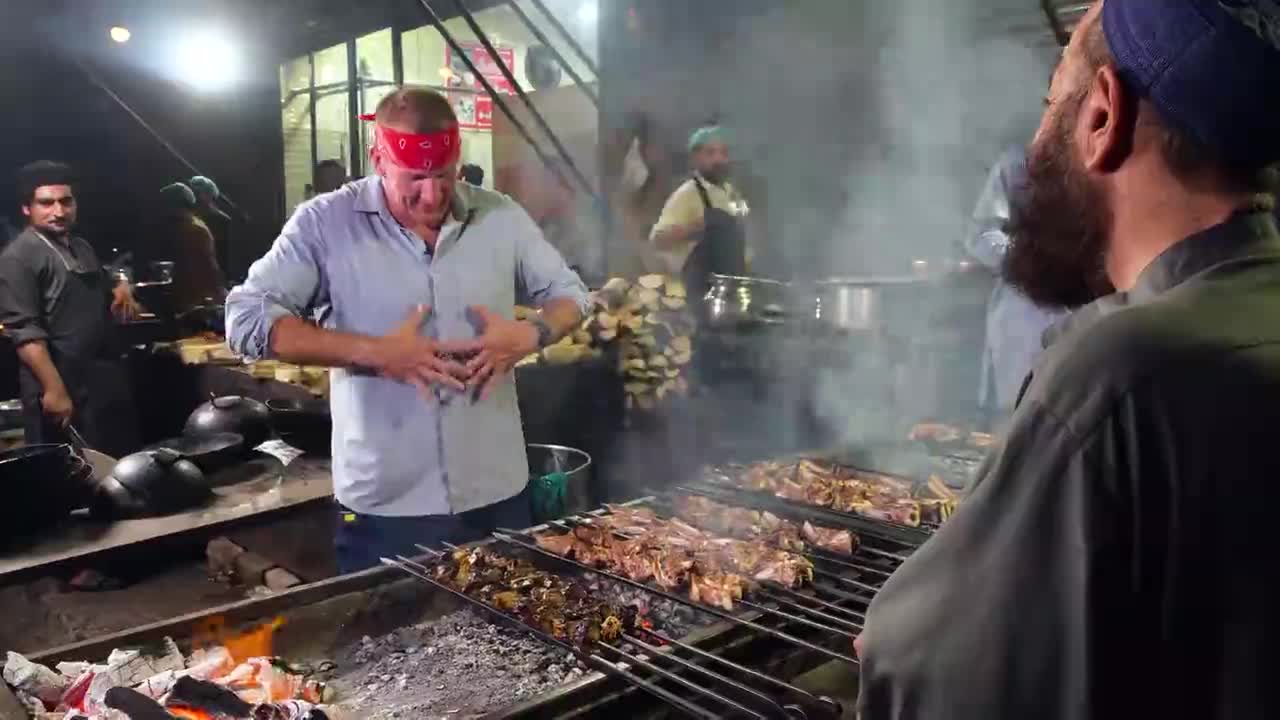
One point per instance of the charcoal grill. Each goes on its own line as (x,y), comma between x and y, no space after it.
(744,664)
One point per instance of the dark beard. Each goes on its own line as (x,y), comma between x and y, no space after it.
(716,175)
(1058,226)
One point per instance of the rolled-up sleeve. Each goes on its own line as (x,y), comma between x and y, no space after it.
(20,300)
(286,281)
(542,275)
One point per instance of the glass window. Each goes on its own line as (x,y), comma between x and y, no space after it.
(333,110)
(295,122)
(375,77)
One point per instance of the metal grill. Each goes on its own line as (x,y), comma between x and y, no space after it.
(820,619)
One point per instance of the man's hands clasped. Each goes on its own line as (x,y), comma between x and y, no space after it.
(502,344)
(406,355)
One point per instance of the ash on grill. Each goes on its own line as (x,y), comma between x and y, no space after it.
(457,666)
(461,664)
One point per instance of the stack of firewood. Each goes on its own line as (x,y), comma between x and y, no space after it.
(650,321)
(654,326)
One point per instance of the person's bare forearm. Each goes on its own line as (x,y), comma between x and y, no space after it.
(35,355)
(297,341)
(674,236)
(562,315)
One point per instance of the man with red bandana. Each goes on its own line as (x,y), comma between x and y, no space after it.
(1116,558)
(405,282)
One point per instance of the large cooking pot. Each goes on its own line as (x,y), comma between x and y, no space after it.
(42,484)
(151,482)
(244,416)
(735,301)
(303,424)
(864,304)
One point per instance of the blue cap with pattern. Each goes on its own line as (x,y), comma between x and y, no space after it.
(1211,68)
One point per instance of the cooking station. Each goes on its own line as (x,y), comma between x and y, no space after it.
(745,594)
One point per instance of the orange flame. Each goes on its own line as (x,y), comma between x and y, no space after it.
(242,646)
(188,713)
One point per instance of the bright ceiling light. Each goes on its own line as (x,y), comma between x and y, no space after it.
(588,13)
(120,34)
(208,60)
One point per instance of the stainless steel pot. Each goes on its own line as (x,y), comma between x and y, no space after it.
(861,304)
(735,301)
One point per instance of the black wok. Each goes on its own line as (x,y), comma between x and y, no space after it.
(303,424)
(42,484)
(210,453)
(231,414)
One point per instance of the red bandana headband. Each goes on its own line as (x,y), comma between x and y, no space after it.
(417,151)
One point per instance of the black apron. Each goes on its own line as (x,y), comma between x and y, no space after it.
(722,249)
(83,345)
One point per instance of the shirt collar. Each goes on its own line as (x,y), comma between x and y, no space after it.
(371,199)
(1248,233)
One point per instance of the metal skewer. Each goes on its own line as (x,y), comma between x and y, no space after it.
(423,573)
(767,610)
(756,695)
(771,585)
(509,539)
(802,597)
(823,705)
(687,684)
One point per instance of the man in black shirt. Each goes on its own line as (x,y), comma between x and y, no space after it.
(1116,558)
(56,305)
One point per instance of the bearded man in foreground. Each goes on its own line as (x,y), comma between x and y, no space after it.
(1116,557)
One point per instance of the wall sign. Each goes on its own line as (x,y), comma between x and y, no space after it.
(472,104)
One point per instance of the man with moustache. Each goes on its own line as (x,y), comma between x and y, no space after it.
(702,228)
(405,282)
(1116,558)
(59,307)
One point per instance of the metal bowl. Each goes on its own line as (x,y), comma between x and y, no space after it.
(863,303)
(735,301)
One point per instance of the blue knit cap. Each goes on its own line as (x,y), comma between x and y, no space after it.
(1211,68)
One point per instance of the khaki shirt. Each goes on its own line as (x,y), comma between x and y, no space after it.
(685,206)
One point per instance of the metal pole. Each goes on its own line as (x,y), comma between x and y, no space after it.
(397,54)
(312,97)
(497,99)
(542,38)
(98,82)
(572,43)
(511,78)
(355,96)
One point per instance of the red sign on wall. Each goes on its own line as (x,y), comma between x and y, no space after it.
(471,102)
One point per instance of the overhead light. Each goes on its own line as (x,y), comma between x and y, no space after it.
(208,60)
(588,13)
(120,34)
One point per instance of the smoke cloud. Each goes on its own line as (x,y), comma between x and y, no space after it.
(870,128)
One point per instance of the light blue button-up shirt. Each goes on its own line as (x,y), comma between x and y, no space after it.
(1015,325)
(343,260)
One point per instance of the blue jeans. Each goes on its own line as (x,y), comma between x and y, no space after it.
(361,540)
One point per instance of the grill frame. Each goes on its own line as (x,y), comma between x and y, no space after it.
(596,692)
